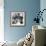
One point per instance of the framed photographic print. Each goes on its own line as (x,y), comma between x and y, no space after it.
(17,19)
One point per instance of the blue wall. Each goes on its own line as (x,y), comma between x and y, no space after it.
(30,7)
(43,6)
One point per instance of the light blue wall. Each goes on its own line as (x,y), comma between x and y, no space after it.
(30,7)
(43,6)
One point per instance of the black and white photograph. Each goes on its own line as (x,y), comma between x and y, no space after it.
(17,19)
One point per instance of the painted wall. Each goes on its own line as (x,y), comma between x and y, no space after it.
(43,6)
(30,7)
